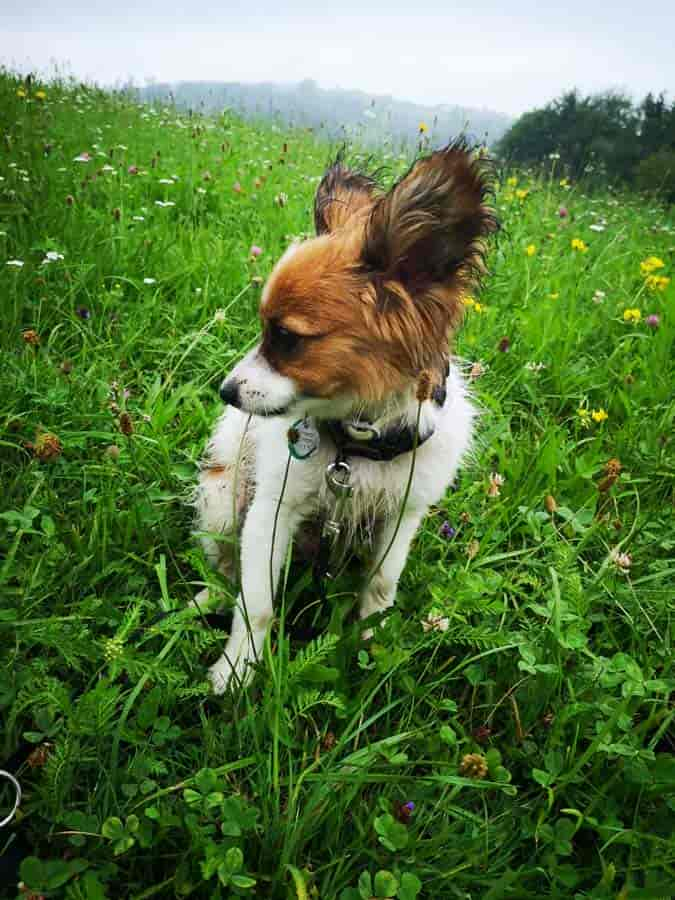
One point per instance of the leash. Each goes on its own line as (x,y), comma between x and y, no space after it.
(17,797)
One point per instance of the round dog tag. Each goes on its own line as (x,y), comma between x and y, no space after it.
(303,439)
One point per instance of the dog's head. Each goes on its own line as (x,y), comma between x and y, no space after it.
(358,312)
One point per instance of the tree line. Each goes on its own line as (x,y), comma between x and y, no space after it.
(603,136)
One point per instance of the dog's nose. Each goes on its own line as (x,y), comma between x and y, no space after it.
(229,393)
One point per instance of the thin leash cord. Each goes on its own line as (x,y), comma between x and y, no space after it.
(404,501)
(276,521)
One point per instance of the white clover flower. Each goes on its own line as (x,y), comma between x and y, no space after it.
(622,561)
(496,481)
(435,622)
(51,256)
(17,263)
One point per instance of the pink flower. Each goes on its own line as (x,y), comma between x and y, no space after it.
(256,251)
(562,212)
(653,320)
(236,187)
(133,170)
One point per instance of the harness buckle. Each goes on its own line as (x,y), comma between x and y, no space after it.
(338,474)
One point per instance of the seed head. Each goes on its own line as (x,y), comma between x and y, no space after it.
(38,757)
(473,765)
(126,424)
(47,446)
(550,505)
(31,337)
(423,386)
(113,648)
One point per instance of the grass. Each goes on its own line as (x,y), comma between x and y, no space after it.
(551,663)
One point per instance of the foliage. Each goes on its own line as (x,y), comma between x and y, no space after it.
(656,174)
(603,136)
(508,732)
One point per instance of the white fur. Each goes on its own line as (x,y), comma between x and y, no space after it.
(377,495)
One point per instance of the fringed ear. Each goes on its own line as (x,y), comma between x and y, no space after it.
(428,232)
(340,194)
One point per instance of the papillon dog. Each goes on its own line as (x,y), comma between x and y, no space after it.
(352,378)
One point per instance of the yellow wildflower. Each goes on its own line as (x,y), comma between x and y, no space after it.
(522,193)
(512,181)
(40,95)
(657,282)
(478,307)
(423,128)
(20,93)
(578,244)
(632,315)
(564,182)
(530,249)
(651,264)
(468,300)
(553,296)
(599,415)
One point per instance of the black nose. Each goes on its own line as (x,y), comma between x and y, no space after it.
(229,393)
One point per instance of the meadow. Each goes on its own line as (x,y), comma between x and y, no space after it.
(509,732)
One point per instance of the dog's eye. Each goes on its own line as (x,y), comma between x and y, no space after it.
(282,339)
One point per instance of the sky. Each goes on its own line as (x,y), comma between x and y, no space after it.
(505,57)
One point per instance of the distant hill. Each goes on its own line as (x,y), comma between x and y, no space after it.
(340,113)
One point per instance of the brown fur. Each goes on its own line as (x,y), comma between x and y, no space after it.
(375,296)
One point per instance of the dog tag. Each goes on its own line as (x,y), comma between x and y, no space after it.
(303,439)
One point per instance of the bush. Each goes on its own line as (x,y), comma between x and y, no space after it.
(656,174)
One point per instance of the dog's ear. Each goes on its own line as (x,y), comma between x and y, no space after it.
(428,232)
(340,194)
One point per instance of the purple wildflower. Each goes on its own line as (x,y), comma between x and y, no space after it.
(653,320)
(447,531)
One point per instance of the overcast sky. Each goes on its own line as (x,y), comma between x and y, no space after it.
(507,57)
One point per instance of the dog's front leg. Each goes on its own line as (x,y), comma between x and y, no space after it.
(255,604)
(379,592)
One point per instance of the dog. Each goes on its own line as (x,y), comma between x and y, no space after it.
(351,380)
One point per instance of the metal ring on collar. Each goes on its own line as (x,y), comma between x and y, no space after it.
(338,474)
(17,797)
(362,431)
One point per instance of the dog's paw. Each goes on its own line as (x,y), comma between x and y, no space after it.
(237,672)
(207,601)
(219,675)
